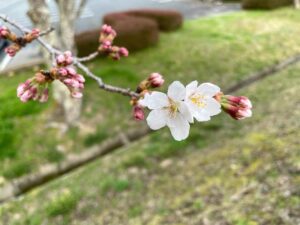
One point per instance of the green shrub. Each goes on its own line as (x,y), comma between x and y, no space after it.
(167,20)
(137,29)
(87,42)
(134,33)
(265,4)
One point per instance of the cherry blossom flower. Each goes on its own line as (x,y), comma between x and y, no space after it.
(169,110)
(201,102)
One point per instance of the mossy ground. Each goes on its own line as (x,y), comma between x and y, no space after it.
(227,172)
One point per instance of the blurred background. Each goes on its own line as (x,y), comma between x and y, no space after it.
(89,162)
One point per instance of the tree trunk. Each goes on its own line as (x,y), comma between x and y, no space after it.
(62,38)
(66,33)
(297,4)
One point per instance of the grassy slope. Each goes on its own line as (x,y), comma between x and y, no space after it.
(248,177)
(252,40)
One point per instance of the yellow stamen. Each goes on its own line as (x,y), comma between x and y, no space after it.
(198,100)
(173,108)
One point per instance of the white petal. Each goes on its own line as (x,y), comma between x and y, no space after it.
(202,116)
(185,111)
(157,119)
(213,107)
(191,87)
(176,91)
(179,127)
(208,89)
(155,100)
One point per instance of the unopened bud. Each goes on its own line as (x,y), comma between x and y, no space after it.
(156,80)
(138,113)
(4,32)
(123,52)
(238,107)
(12,49)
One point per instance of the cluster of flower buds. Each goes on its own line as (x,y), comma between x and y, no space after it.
(107,36)
(238,107)
(65,59)
(35,88)
(68,75)
(17,42)
(154,80)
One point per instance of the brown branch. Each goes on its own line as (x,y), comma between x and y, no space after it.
(77,61)
(264,73)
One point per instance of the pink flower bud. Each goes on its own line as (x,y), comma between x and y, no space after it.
(60,59)
(4,32)
(75,84)
(245,102)
(106,29)
(20,89)
(238,107)
(81,86)
(35,32)
(68,82)
(26,96)
(123,52)
(106,45)
(156,80)
(68,57)
(10,51)
(80,78)
(63,71)
(45,95)
(69,60)
(76,94)
(68,54)
(138,113)
(71,71)
(23,87)
(243,113)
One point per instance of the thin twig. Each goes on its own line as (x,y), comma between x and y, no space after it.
(49,30)
(77,61)
(102,85)
(89,57)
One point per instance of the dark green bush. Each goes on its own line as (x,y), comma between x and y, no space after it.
(87,42)
(137,29)
(265,4)
(134,33)
(167,20)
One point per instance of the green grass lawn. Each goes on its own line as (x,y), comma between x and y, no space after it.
(151,180)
